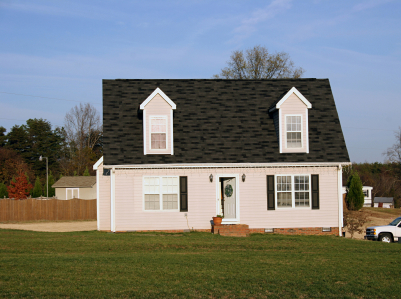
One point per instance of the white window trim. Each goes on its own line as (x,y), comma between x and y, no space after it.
(293,192)
(150,133)
(72,190)
(285,132)
(160,193)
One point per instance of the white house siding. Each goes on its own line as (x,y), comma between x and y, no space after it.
(202,198)
(104,200)
(293,105)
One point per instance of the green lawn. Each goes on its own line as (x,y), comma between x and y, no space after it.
(105,265)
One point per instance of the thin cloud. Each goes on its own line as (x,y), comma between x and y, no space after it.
(369,4)
(249,25)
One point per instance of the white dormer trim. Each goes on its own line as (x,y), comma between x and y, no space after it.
(97,164)
(288,94)
(153,94)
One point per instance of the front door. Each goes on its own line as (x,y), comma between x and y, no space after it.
(229,198)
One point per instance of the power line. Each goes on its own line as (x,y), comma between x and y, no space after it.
(28,95)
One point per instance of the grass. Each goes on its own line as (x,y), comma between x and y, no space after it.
(195,265)
(383,211)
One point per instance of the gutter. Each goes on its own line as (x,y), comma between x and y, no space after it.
(227,165)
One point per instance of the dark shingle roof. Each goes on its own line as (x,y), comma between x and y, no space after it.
(75,182)
(219,121)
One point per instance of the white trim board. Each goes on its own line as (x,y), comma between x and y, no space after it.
(97,164)
(287,95)
(230,165)
(162,94)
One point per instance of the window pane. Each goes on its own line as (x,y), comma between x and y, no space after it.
(158,125)
(284,199)
(170,201)
(152,202)
(158,140)
(302,199)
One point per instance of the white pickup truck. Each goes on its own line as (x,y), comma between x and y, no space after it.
(385,233)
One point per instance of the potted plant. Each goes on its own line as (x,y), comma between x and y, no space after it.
(218,219)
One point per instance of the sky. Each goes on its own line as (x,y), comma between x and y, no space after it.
(54,54)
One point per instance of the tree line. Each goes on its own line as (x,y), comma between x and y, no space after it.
(70,150)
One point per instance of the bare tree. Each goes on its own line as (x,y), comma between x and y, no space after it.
(83,130)
(354,221)
(258,63)
(394,153)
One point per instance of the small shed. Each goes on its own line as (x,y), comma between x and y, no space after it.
(83,187)
(384,202)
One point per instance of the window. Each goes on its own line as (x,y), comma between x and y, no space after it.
(158,132)
(160,193)
(366,193)
(293,191)
(294,131)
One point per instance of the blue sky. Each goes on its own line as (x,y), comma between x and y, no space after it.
(59,51)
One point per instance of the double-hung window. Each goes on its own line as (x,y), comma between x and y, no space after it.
(293,191)
(294,131)
(161,193)
(158,132)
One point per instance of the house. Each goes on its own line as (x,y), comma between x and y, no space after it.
(83,187)
(367,193)
(384,202)
(263,153)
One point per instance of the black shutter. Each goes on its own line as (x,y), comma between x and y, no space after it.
(315,191)
(270,192)
(183,194)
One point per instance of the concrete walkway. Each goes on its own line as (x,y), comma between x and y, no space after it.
(74,226)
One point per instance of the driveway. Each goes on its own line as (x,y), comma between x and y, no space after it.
(74,226)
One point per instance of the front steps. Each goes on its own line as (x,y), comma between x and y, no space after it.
(231,230)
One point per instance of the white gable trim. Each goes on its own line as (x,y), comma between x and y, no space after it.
(97,164)
(298,94)
(162,94)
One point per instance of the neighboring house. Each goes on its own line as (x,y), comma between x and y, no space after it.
(266,153)
(384,202)
(367,192)
(83,187)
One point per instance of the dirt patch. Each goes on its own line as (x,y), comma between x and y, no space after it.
(74,226)
(376,217)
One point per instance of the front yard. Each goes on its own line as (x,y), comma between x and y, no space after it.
(104,265)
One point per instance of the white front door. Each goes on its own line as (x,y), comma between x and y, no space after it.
(228,200)
(229,203)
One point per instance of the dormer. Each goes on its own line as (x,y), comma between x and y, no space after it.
(158,124)
(290,115)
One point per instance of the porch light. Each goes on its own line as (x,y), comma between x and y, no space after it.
(211,178)
(243,177)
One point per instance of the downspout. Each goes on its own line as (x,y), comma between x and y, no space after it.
(97,199)
(340,199)
(112,200)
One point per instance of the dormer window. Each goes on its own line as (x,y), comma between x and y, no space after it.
(290,116)
(158,132)
(158,124)
(294,131)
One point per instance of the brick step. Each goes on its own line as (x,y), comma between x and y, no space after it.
(232,230)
